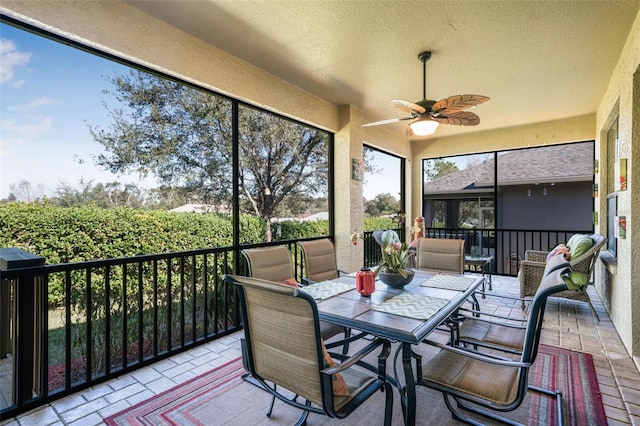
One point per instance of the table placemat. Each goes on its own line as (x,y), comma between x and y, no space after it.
(412,305)
(449,282)
(325,289)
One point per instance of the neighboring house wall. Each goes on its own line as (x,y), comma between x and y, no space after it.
(566,207)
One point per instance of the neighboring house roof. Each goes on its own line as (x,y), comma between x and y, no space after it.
(315,216)
(557,163)
(200,208)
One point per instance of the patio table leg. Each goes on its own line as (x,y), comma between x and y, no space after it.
(408,394)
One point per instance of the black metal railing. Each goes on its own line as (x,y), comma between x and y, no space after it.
(98,319)
(88,322)
(506,246)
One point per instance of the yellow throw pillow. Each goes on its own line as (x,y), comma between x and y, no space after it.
(339,385)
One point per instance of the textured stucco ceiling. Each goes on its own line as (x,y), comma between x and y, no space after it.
(536,60)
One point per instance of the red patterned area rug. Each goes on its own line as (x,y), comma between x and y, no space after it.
(221,397)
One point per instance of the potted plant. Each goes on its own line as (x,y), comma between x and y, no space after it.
(394,269)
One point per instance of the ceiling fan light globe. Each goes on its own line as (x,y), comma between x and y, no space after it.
(424,127)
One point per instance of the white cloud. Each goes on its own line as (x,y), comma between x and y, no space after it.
(27,129)
(10,58)
(36,103)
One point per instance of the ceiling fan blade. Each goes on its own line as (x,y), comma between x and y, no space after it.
(459,118)
(388,121)
(459,103)
(408,106)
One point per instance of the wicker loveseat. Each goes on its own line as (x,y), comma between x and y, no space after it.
(532,270)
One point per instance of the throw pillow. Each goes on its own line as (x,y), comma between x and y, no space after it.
(291,282)
(579,244)
(578,278)
(339,385)
(560,248)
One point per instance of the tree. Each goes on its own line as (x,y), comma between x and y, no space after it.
(113,194)
(437,168)
(370,167)
(24,191)
(184,137)
(382,204)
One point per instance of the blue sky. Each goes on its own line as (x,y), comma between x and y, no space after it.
(50,94)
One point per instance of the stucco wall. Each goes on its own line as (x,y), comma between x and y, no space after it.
(622,96)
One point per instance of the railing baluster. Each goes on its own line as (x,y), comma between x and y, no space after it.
(67,329)
(88,328)
(125,310)
(155,307)
(107,319)
(194,302)
(140,313)
(169,307)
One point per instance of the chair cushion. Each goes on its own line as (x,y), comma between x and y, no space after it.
(339,385)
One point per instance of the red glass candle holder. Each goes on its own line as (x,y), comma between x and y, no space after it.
(365,282)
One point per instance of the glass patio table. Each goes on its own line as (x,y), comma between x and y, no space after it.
(405,315)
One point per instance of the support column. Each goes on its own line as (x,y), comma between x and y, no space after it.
(349,207)
(25,304)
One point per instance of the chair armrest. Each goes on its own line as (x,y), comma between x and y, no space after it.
(536,255)
(501,323)
(530,275)
(358,356)
(480,356)
(498,295)
(307,281)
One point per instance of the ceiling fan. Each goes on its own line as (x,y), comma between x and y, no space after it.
(429,114)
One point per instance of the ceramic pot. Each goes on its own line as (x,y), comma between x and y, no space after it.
(394,280)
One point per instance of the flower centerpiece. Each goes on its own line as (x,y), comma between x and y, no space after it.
(394,269)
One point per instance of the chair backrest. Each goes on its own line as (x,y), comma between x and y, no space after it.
(269,263)
(319,259)
(282,336)
(441,254)
(553,282)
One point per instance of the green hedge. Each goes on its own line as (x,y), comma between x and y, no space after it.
(73,234)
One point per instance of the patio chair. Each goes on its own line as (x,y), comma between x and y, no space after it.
(475,380)
(441,254)
(282,348)
(274,264)
(319,260)
(532,270)
(498,332)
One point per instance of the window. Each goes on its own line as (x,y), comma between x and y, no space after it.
(612,197)
(383,186)
(283,174)
(535,189)
(96,125)
(458,192)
